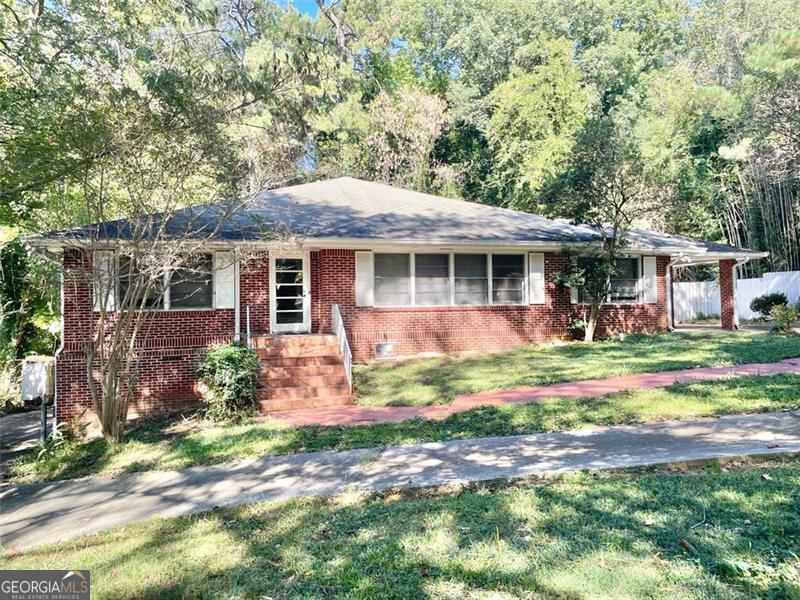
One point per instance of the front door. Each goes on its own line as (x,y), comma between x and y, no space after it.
(290,300)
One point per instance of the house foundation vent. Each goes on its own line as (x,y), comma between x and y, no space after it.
(385,350)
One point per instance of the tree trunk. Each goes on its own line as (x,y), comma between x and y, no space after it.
(591,322)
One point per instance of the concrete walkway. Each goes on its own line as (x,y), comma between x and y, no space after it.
(364,415)
(43,513)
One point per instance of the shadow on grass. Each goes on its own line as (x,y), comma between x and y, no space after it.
(660,535)
(440,380)
(176,443)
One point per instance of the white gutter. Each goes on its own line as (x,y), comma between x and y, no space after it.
(237,311)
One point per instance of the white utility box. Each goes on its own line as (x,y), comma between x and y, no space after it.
(37,377)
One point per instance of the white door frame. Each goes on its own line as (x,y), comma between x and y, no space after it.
(305,325)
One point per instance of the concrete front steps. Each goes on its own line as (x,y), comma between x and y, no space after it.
(300,371)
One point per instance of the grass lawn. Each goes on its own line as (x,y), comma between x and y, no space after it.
(174,444)
(692,532)
(439,380)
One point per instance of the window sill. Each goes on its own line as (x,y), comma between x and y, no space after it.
(171,310)
(444,307)
(616,304)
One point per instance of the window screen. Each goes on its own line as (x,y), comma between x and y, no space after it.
(508,278)
(432,279)
(135,281)
(191,286)
(392,279)
(472,283)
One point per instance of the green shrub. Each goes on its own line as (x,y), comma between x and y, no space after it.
(763,304)
(229,375)
(784,317)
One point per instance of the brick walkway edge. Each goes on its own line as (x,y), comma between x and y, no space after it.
(367,415)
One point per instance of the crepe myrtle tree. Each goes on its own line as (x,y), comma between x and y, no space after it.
(602,188)
(135,267)
(591,273)
(148,231)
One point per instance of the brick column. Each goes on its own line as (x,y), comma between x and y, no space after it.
(727,297)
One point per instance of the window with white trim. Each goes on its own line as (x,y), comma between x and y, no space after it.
(428,279)
(431,279)
(508,279)
(392,279)
(625,284)
(191,286)
(623,287)
(188,287)
(471,281)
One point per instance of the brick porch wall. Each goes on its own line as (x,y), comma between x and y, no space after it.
(419,330)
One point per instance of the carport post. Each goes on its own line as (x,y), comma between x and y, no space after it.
(727,294)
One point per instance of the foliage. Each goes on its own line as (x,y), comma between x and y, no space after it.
(177,443)
(535,116)
(10,392)
(388,139)
(784,317)
(62,438)
(230,376)
(763,304)
(701,93)
(126,111)
(28,301)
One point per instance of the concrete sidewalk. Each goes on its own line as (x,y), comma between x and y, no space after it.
(44,513)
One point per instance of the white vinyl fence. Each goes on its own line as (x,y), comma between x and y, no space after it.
(695,299)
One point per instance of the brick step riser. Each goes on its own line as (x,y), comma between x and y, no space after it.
(294,404)
(299,372)
(299,361)
(306,392)
(310,380)
(292,352)
(294,343)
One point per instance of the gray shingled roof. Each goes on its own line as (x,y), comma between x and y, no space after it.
(352,209)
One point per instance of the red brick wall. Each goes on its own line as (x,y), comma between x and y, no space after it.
(726,294)
(446,328)
(169,346)
(254,292)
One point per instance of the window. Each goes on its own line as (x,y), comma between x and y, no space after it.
(134,280)
(289,295)
(432,279)
(625,284)
(392,279)
(623,287)
(446,279)
(508,278)
(471,282)
(190,286)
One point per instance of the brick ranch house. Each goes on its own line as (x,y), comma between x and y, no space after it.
(372,271)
